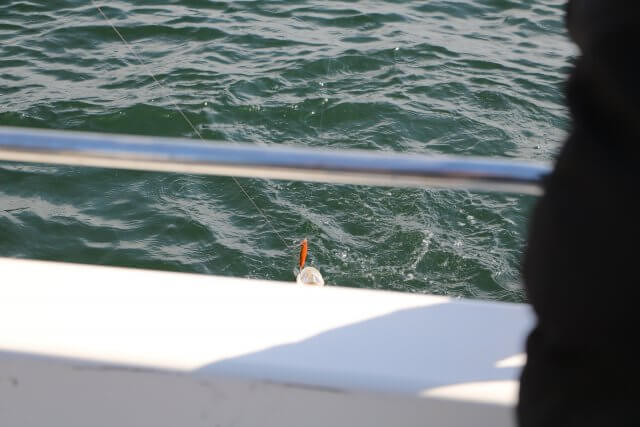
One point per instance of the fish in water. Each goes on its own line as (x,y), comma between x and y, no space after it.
(307,275)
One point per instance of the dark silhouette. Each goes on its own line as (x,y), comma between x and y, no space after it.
(581,263)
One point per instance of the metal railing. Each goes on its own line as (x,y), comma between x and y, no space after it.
(270,162)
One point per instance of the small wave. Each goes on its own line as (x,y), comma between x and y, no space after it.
(448,77)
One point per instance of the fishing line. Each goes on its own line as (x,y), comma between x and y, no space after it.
(14,209)
(184,116)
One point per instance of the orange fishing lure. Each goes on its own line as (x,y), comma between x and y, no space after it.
(303,252)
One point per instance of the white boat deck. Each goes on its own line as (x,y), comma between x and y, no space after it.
(101,346)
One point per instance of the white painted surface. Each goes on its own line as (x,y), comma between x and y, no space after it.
(87,345)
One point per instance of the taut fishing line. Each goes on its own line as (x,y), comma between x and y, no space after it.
(167,94)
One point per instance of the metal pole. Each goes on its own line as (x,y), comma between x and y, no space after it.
(270,162)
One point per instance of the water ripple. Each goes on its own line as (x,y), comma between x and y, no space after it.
(441,77)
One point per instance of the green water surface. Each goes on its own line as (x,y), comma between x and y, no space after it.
(476,78)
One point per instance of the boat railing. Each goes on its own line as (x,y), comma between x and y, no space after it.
(182,155)
(80,343)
